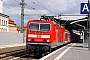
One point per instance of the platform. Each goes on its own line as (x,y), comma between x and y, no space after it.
(13,47)
(73,51)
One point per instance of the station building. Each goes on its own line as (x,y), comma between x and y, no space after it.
(3,23)
(3,19)
(12,25)
(19,29)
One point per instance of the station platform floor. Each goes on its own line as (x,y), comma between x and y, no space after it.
(12,47)
(73,51)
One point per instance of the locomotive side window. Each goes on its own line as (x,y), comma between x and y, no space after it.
(55,28)
(66,35)
(34,26)
(45,27)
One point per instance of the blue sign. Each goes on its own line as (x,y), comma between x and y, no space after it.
(80,31)
(85,8)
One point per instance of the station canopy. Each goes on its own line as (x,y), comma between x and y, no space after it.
(73,21)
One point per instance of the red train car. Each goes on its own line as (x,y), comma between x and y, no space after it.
(44,35)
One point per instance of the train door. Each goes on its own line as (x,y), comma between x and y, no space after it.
(65,41)
(66,37)
(56,37)
(63,37)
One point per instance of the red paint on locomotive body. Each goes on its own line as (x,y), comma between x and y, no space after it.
(56,33)
(39,35)
(46,33)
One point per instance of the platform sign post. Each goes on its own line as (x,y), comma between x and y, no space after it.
(89,26)
(85,9)
(89,32)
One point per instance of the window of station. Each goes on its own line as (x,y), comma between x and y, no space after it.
(0,17)
(6,23)
(3,30)
(2,22)
(3,17)
(6,30)
(0,29)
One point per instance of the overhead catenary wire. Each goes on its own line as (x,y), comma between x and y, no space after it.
(32,2)
(30,6)
(45,7)
(27,6)
(64,22)
(41,5)
(71,7)
(48,5)
(54,5)
(70,2)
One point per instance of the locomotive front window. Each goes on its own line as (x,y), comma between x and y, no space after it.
(44,27)
(34,26)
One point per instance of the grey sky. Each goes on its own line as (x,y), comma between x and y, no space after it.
(48,7)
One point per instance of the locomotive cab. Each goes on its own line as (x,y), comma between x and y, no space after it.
(39,32)
(38,36)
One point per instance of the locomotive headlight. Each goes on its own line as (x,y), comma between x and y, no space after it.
(48,40)
(29,39)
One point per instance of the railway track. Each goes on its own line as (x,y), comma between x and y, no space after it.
(17,55)
(20,55)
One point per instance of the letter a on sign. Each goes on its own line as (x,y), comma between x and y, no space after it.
(85,8)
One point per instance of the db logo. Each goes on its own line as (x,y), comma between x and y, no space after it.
(38,36)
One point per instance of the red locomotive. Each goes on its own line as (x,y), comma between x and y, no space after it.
(42,36)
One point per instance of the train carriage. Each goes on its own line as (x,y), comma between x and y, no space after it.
(44,35)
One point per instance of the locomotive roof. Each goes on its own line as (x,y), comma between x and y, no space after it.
(40,21)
